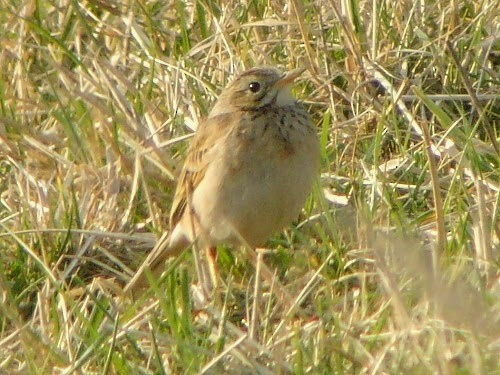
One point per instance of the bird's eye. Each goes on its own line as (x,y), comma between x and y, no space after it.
(254,87)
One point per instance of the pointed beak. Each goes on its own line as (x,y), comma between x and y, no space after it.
(289,77)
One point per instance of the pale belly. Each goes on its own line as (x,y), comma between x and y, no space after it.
(258,197)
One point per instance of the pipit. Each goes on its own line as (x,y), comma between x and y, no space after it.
(249,169)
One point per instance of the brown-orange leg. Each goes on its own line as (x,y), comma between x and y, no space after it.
(206,268)
(212,265)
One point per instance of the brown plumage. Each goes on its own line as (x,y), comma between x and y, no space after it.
(248,170)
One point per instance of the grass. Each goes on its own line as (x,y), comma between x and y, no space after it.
(393,266)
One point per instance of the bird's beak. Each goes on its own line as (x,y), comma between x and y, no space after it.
(289,77)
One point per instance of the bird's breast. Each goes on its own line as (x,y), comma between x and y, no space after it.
(261,179)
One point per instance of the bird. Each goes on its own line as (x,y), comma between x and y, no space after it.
(249,169)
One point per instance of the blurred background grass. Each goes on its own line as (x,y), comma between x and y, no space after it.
(393,265)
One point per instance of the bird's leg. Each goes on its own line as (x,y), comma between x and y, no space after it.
(206,270)
(254,319)
(270,277)
(213,269)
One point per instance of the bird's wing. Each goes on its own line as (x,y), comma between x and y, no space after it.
(208,139)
